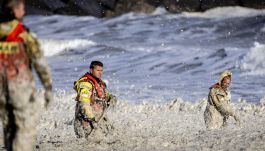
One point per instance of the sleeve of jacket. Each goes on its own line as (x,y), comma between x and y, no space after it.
(84,91)
(222,106)
(37,59)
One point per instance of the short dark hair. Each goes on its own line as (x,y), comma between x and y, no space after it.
(95,63)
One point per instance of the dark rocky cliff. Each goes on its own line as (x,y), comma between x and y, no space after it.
(107,8)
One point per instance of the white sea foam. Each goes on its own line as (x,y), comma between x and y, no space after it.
(177,125)
(52,47)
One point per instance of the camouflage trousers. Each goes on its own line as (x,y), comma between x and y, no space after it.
(213,118)
(19,113)
(85,128)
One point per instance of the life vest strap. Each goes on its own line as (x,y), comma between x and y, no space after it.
(14,35)
(88,77)
(96,84)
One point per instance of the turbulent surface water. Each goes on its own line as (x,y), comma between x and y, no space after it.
(160,66)
(160,56)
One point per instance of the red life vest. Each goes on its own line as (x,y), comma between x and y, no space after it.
(13,58)
(99,86)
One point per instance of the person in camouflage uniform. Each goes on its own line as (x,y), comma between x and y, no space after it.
(19,53)
(92,102)
(219,107)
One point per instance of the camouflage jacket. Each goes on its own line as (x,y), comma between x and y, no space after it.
(33,52)
(220,99)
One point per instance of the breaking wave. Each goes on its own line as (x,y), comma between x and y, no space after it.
(160,55)
(52,47)
(253,63)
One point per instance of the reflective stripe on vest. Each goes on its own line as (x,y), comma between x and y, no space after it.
(8,48)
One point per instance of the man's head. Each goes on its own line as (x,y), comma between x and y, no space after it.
(225,84)
(13,9)
(96,68)
(225,79)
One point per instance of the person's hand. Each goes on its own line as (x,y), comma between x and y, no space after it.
(48,98)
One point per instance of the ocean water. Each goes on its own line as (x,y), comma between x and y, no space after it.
(159,57)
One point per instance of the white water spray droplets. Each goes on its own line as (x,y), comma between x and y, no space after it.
(132,86)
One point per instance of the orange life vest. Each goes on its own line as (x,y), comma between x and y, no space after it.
(99,86)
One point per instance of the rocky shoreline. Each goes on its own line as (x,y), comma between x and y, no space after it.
(110,8)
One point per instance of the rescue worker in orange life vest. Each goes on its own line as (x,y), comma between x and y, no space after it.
(92,102)
(19,53)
